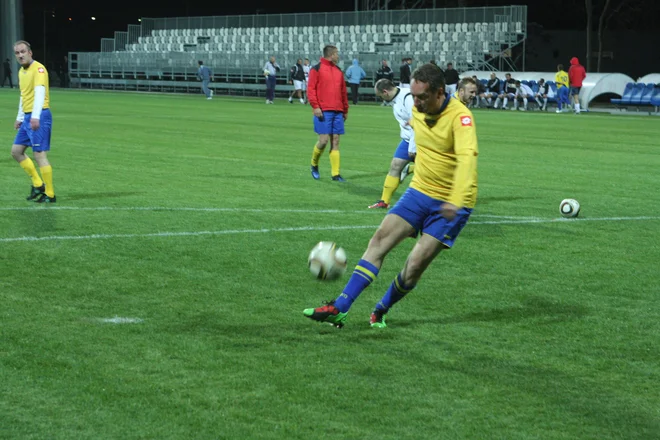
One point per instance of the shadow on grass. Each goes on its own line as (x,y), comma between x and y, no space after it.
(532,307)
(102,195)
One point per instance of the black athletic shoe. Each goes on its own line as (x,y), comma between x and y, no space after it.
(36,191)
(45,199)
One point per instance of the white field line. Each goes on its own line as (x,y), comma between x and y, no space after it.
(308,228)
(250,210)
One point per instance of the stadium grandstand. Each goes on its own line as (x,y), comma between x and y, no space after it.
(161,54)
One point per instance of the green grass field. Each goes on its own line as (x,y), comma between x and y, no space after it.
(194,219)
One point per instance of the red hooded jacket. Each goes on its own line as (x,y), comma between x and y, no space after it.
(576,73)
(326,88)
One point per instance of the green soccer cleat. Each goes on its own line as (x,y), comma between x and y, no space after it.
(327,313)
(377,319)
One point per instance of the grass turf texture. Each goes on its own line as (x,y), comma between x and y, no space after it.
(541,330)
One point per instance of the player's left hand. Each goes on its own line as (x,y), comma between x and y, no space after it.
(34,124)
(448,211)
(345,116)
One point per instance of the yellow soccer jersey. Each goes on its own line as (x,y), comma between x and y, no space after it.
(561,79)
(446,162)
(35,75)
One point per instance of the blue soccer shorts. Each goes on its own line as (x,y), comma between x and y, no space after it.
(38,140)
(575,90)
(401,151)
(423,214)
(331,123)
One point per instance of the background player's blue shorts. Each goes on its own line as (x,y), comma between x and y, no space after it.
(332,123)
(423,214)
(402,151)
(39,139)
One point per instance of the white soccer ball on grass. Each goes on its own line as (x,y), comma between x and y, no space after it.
(327,261)
(569,208)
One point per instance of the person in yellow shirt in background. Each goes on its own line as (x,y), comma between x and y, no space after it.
(561,80)
(34,124)
(437,204)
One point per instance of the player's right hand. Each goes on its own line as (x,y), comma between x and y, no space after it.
(318,113)
(17,125)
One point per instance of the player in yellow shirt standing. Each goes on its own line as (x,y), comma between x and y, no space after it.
(438,202)
(34,123)
(561,80)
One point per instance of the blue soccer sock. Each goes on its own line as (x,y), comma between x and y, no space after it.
(364,274)
(394,294)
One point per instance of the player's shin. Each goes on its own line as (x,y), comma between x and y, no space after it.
(316,155)
(397,291)
(47,173)
(363,275)
(334,162)
(390,186)
(31,170)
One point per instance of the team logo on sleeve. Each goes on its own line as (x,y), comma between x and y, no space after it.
(466,121)
(40,70)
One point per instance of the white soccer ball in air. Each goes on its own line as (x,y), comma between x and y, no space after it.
(569,208)
(327,261)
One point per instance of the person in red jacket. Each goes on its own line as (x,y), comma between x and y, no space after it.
(576,74)
(326,92)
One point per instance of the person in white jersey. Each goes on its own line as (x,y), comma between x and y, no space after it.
(524,93)
(306,68)
(402,104)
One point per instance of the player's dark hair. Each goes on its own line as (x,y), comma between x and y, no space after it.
(384,84)
(28,45)
(465,81)
(560,67)
(200,62)
(327,50)
(431,75)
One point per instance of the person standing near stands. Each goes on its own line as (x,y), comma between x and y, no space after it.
(306,69)
(204,75)
(6,70)
(561,79)
(404,73)
(297,78)
(451,78)
(576,74)
(270,72)
(327,96)
(385,72)
(354,75)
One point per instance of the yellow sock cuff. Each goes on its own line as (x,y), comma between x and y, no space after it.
(30,170)
(334,162)
(390,186)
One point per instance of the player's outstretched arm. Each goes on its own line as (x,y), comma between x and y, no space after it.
(466,150)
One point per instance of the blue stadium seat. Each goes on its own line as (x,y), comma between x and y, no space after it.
(645,99)
(626,94)
(634,96)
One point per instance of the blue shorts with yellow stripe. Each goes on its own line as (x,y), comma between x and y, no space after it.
(423,214)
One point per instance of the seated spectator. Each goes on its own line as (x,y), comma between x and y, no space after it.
(523,93)
(509,92)
(541,95)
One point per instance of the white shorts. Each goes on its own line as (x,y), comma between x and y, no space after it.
(304,85)
(298,85)
(450,88)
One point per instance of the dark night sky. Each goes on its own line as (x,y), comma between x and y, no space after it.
(82,34)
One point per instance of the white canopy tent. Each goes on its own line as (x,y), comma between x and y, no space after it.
(653,78)
(594,85)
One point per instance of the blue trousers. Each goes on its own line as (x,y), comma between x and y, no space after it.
(271,80)
(205,87)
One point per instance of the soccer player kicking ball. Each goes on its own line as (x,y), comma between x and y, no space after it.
(402,104)
(438,202)
(33,122)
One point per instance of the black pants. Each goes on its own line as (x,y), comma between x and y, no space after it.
(7,76)
(354,92)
